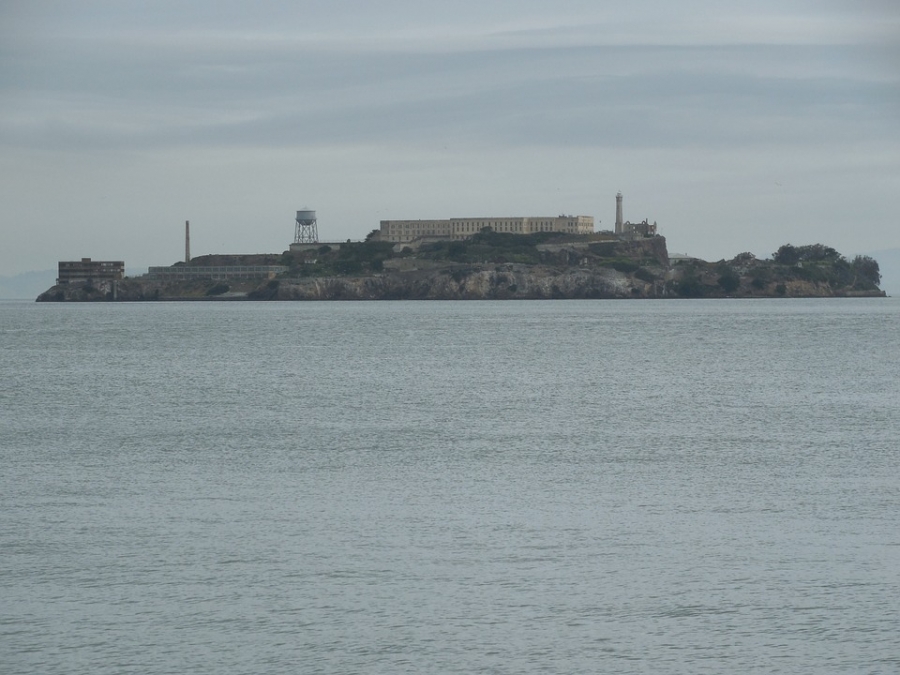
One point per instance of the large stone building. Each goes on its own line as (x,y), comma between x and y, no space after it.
(402,231)
(81,271)
(638,230)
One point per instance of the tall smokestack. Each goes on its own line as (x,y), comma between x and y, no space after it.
(618,213)
(187,241)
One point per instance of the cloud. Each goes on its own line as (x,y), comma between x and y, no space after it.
(594,96)
(430,106)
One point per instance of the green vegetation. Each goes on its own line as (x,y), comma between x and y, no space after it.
(487,246)
(729,281)
(690,285)
(490,246)
(823,264)
(791,255)
(793,270)
(352,258)
(604,249)
(644,274)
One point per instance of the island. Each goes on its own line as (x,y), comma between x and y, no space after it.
(488,265)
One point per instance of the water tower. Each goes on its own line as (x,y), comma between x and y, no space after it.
(307,231)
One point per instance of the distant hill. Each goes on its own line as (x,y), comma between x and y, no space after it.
(26,286)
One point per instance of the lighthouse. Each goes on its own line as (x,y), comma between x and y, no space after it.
(618,213)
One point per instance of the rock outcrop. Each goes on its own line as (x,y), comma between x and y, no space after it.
(472,282)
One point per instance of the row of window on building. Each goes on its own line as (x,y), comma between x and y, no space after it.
(79,271)
(407,230)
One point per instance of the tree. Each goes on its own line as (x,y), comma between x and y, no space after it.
(456,250)
(868,274)
(786,255)
(690,285)
(743,258)
(729,282)
(817,252)
(791,255)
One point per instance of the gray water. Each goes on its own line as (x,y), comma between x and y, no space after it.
(512,487)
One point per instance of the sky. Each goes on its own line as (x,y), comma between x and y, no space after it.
(736,126)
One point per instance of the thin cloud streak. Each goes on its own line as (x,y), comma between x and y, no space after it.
(233,114)
(527,97)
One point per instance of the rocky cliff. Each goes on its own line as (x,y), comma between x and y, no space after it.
(475,282)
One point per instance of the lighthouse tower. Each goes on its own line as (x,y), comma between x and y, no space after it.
(618,213)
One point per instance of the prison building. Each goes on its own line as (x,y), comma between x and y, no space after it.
(461,228)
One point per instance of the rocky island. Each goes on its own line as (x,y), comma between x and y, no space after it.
(494,266)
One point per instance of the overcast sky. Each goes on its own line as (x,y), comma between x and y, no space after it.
(736,126)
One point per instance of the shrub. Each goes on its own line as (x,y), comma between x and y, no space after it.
(347,266)
(603,249)
(625,266)
(456,250)
(743,258)
(645,275)
(218,289)
(729,282)
(690,286)
(459,274)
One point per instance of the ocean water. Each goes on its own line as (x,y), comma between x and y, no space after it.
(450,487)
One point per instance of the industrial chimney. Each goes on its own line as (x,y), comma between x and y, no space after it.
(187,241)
